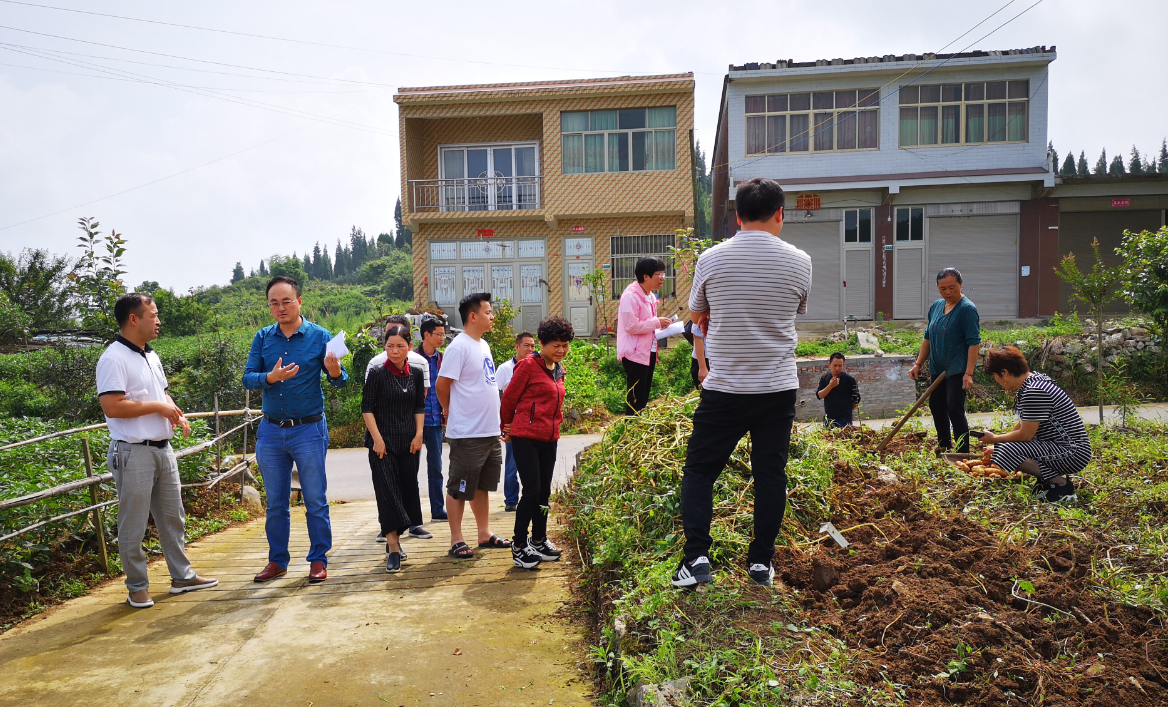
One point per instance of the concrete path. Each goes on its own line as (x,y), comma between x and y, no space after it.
(441,632)
(349,477)
(1157,412)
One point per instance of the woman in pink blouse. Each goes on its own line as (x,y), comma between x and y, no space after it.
(636,326)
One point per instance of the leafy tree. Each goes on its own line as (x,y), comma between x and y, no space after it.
(148,287)
(37,283)
(1116,169)
(1095,289)
(1164,156)
(1101,164)
(307,264)
(288,266)
(1145,287)
(1082,166)
(251,273)
(392,274)
(237,273)
(1068,169)
(264,272)
(705,197)
(14,322)
(97,277)
(1136,166)
(180,315)
(385,241)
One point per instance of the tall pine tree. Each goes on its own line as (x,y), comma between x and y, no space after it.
(1164,156)
(1068,169)
(1054,155)
(1101,164)
(1136,166)
(399,227)
(263,269)
(326,264)
(237,273)
(1082,166)
(308,265)
(316,270)
(1116,169)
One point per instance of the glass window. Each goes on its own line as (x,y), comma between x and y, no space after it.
(632,118)
(594,152)
(930,94)
(851,227)
(928,125)
(845,131)
(756,104)
(975,91)
(908,126)
(618,152)
(975,123)
(869,97)
(776,133)
(845,99)
(1016,115)
(996,91)
(1020,88)
(800,101)
(865,225)
(910,95)
(574,122)
(800,132)
(573,154)
(910,224)
(790,125)
(950,125)
(776,104)
(902,225)
(823,130)
(627,250)
(822,101)
(868,129)
(996,122)
(525,161)
(602,120)
(755,135)
(951,93)
(663,117)
(639,152)
(618,140)
(664,149)
(917,231)
(986,116)
(452,164)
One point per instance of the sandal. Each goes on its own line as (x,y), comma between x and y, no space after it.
(497,543)
(460,551)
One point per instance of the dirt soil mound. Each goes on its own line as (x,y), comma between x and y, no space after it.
(939,606)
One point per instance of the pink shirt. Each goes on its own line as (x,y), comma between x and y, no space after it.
(636,324)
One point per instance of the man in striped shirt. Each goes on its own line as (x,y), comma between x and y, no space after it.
(746,293)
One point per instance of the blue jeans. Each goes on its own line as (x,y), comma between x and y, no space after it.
(510,478)
(276,449)
(432,436)
(836,424)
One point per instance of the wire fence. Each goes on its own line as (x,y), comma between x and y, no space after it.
(92,483)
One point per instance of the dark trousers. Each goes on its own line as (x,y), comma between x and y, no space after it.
(395,484)
(947,403)
(638,381)
(719,423)
(693,371)
(432,436)
(535,461)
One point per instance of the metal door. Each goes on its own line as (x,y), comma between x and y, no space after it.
(821,241)
(531,295)
(577,299)
(908,273)
(857,284)
(985,250)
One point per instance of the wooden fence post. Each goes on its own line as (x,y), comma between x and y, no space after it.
(247,467)
(218,454)
(93,496)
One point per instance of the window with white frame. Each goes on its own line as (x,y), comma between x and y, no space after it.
(968,113)
(910,224)
(491,177)
(627,250)
(830,121)
(858,226)
(632,139)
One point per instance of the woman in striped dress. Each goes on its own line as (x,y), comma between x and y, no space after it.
(1049,442)
(393,405)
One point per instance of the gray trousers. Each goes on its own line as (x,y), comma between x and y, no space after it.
(148,484)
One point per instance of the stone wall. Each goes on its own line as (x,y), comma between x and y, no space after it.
(884,384)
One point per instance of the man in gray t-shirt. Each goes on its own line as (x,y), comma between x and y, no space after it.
(758,278)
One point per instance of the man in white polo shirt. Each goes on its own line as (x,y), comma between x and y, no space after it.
(142,417)
(758,278)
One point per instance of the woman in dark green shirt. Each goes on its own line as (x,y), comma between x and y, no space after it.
(952,341)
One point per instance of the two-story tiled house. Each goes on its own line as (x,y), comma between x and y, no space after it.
(521,189)
(896,167)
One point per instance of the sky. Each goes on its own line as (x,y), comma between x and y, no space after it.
(302,144)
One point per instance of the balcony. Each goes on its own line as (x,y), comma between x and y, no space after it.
(476,194)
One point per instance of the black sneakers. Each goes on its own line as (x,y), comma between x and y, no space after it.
(1061,494)
(393,562)
(510,507)
(762,574)
(524,556)
(421,533)
(381,537)
(544,548)
(689,574)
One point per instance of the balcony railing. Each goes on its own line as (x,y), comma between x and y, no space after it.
(476,194)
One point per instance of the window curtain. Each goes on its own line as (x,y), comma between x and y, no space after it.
(908,127)
(664,149)
(574,122)
(755,135)
(594,152)
(845,131)
(663,117)
(1018,128)
(642,150)
(950,125)
(868,129)
(996,122)
(975,123)
(928,125)
(618,152)
(823,131)
(800,132)
(573,154)
(603,120)
(777,133)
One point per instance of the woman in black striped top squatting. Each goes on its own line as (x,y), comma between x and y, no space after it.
(1049,442)
(393,404)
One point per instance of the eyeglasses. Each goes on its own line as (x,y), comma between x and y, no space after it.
(272,304)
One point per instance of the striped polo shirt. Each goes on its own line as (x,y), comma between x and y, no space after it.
(753,285)
(1041,400)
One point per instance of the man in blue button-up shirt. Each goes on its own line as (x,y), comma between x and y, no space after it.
(433,337)
(285,362)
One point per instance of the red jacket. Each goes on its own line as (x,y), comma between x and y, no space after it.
(533,403)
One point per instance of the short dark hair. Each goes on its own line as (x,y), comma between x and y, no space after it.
(834,356)
(949,272)
(523,335)
(1008,360)
(648,267)
(429,325)
(401,319)
(555,329)
(472,303)
(130,304)
(758,199)
(282,278)
(397,330)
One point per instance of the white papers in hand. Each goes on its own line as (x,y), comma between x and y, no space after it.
(336,345)
(672,330)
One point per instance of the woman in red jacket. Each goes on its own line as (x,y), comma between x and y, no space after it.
(531,412)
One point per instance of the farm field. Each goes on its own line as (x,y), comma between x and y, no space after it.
(954,589)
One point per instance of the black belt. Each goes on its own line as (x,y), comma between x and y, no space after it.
(294,422)
(156,443)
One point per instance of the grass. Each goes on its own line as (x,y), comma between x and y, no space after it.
(744,645)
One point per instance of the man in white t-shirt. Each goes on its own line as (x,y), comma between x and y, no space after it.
(142,417)
(524,347)
(469,396)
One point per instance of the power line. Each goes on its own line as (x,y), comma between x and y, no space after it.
(185,171)
(311,43)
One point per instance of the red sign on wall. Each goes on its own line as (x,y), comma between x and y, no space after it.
(486,233)
(807,202)
(578,229)
(1120,203)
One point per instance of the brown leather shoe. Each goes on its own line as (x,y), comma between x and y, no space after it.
(271,572)
(317,573)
